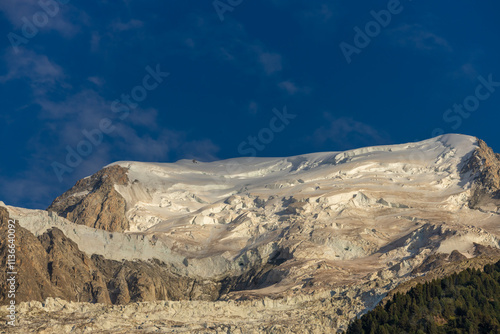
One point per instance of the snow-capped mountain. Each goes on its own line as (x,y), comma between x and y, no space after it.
(340,226)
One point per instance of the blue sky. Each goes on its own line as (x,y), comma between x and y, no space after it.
(167,80)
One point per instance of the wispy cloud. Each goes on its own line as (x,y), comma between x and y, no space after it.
(292,88)
(253,107)
(203,150)
(322,12)
(270,61)
(205,38)
(15,189)
(85,107)
(467,71)
(34,186)
(63,118)
(418,37)
(138,136)
(60,19)
(26,64)
(95,41)
(153,146)
(119,26)
(98,81)
(346,133)
(317,18)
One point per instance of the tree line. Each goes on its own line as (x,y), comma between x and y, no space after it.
(465,302)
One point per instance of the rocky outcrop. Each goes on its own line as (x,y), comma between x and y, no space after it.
(484,166)
(141,281)
(94,202)
(455,264)
(34,277)
(437,261)
(52,265)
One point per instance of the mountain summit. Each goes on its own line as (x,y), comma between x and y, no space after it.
(327,234)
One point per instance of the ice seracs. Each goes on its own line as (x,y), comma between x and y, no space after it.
(346,226)
(159,193)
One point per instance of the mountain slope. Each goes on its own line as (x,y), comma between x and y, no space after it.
(465,302)
(343,228)
(52,265)
(375,205)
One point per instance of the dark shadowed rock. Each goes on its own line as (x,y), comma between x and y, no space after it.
(456,256)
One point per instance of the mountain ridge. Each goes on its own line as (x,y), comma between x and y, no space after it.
(322,224)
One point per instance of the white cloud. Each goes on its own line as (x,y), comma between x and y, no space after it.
(86,107)
(35,67)
(292,88)
(270,61)
(289,87)
(98,81)
(61,122)
(137,136)
(58,17)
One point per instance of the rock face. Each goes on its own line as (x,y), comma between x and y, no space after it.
(311,241)
(94,202)
(485,166)
(51,265)
(32,261)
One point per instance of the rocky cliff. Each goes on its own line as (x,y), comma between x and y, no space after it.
(52,265)
(94,202)
(484,165)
